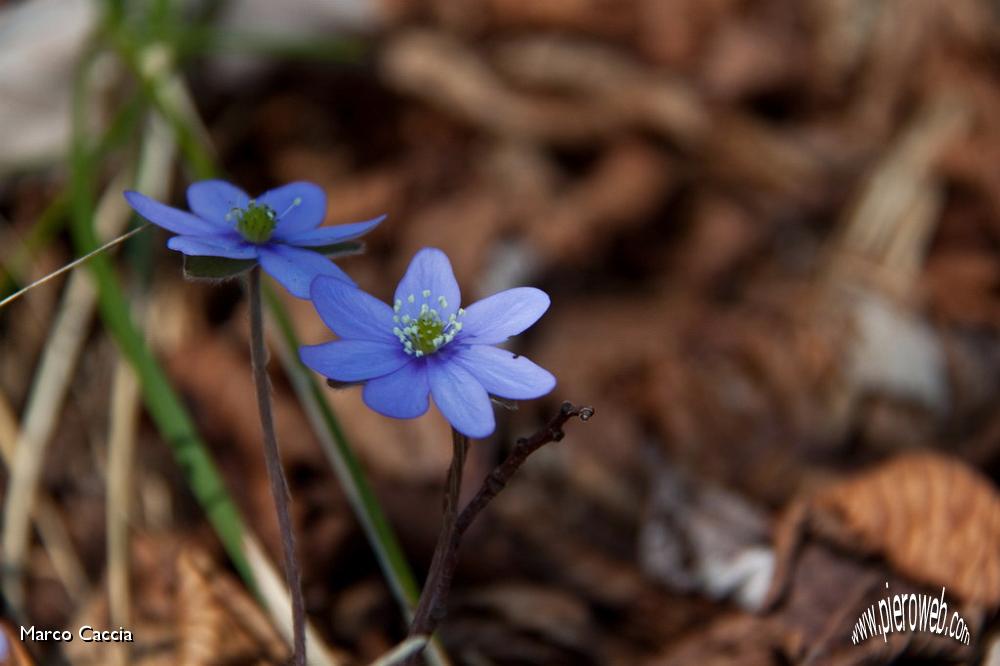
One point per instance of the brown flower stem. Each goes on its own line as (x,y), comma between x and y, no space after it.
(423,623)
(275,473)
(433,599)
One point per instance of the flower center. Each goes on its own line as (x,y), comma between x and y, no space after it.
(256,222)
(426,332)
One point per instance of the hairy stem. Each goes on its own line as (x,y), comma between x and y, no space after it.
(275,474)
(433,599)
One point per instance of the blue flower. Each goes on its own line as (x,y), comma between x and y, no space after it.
(425,344)
(279,229)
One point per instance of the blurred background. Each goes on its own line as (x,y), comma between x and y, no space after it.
(770,230)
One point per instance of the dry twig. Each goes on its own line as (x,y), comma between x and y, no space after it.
(433,600)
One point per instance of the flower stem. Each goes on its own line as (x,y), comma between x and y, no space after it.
(275,474)
(424,619)
(433,599)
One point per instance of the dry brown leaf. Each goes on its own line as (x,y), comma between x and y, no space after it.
(675,33)
(933,518)
(962,286)
(447,73)
(608,18)
(750,57)
(631,179)
(731,640)
(217,622)
(831,589)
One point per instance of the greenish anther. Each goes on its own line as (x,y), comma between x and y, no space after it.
(256,222)
(429,334)
(426,332)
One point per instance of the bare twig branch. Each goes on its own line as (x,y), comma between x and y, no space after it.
(524,447)
(433,600)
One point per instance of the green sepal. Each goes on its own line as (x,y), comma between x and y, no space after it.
(220,268)
(510,405)
(336,384)
(335,250)
(215,268)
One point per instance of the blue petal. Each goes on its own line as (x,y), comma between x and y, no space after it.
(350,312)
(296,268)
(504,374)
(214,199)
(401,394)
(429,278)
(330,235)
(300,207)
(500,316)
(171,219)
(460,397)
(213,246)
(354,360)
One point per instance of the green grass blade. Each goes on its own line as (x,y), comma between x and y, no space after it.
(162,402)
(153,68)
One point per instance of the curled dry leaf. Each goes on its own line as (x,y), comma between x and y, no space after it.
(933,518)
(217,621)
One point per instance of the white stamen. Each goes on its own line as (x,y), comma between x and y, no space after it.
(297,201)
(416,328)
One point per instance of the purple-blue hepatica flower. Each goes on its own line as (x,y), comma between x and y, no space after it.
(279,229)
(425,344)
